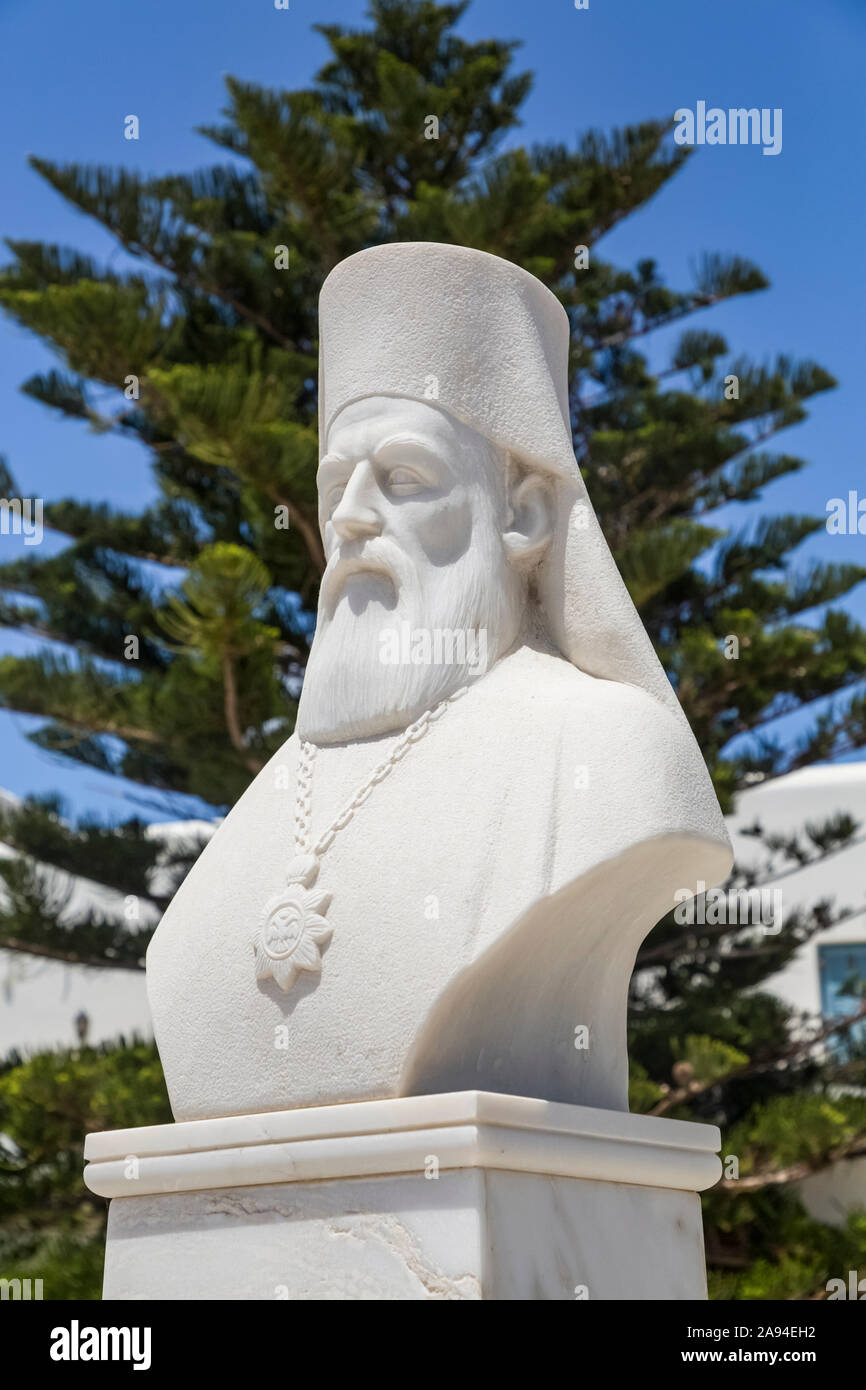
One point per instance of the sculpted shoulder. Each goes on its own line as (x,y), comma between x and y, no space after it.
(635,757)
(546,692)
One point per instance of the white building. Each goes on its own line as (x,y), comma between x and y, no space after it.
(810,982)
(40,999)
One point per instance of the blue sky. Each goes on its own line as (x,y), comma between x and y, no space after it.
(71,75)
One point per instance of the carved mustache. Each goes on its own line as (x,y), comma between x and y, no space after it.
(370,557)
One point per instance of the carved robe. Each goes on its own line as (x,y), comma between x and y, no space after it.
(487,902)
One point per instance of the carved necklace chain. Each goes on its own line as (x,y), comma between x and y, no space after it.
(293,925)
(304,789)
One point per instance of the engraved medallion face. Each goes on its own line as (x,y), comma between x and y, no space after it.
(283,930)
(292,930)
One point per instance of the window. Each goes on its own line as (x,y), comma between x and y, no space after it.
(842,971)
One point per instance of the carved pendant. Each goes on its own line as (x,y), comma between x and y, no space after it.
(292,927)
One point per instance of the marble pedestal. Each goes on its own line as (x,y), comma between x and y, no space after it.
(470,1195)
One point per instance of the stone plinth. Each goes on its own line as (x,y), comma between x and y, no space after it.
(470,1195)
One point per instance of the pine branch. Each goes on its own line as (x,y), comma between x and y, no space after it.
(796,1172)
(793,1051)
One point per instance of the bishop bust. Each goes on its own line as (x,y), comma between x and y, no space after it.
(441,880)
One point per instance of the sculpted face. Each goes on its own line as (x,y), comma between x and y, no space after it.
(427,544)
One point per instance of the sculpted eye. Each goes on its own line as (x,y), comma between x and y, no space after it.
(334,495)
(403,481)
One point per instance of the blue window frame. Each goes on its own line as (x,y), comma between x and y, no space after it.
(842,973)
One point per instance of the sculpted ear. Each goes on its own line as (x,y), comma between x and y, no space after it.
(530,518)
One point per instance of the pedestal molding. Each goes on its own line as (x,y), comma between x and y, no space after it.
(465,1129)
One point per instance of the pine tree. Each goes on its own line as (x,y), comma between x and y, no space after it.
(207,356)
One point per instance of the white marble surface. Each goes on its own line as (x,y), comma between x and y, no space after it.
(468,1234)
(468,1195)
(462,1130)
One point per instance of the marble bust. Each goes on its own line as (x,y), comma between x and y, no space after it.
(440,881)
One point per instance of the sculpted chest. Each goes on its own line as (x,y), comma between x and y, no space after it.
(486,901)
(410,887)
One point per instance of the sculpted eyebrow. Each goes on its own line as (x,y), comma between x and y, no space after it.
(402,441)
(333,462)
(331,465)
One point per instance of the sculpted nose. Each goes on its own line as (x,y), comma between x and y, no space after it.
(356,516)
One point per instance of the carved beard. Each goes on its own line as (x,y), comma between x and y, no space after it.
(353,688)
